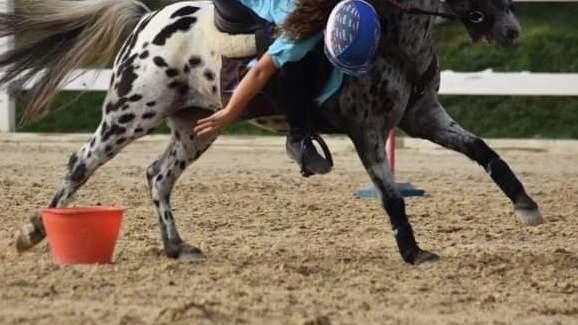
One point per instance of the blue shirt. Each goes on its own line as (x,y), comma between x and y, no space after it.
(284,50)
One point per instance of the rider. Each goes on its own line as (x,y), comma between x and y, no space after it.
(351,35)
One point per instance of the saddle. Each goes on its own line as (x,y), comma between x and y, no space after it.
(232,17)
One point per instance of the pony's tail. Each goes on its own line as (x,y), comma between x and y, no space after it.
(58,36)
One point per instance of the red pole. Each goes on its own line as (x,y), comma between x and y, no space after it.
(390,150)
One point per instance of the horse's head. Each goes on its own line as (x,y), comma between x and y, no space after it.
(488,20)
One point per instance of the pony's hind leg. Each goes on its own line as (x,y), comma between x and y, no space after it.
(148,82)
(370,145)
(434,124)
(184,148)
(81,165)
(113,134)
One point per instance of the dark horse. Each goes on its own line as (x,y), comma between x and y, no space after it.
(169,70)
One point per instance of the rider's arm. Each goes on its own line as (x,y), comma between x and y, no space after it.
(251,84)
(280,52)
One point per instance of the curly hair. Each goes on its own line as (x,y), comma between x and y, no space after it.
(308,19)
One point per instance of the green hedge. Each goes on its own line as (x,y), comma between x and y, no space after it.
(548,44)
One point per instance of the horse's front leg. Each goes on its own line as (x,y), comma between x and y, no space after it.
(430,121)
(370,146)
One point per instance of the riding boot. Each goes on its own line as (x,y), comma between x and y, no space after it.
(298,91)
(300,148)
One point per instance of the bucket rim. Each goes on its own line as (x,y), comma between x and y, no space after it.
(83,210)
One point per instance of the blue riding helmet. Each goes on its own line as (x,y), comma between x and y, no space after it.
(352,36)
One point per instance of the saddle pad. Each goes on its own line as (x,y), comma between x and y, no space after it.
(227,45)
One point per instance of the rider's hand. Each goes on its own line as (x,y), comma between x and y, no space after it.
(215,123)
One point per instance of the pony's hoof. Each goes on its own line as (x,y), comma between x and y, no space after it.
(425,257)
(530,217)
(189,253)
(24,238)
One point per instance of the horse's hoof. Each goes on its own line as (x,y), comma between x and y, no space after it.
(25,238)
(188,253)
(530,217)
(425,257)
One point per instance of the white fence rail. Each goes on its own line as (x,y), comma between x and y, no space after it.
(453,83)
(479,83)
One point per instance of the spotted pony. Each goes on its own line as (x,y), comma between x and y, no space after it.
(168,70)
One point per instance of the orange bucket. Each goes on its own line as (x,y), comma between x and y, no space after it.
(83,235)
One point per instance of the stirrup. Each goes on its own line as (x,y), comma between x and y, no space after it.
(326,153)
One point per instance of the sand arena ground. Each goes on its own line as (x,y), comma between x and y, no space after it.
(282,249)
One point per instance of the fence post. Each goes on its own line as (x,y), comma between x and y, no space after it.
(7,101)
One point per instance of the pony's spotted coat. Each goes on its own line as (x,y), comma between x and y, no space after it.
(169,70)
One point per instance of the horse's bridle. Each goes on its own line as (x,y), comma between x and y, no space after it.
(418,11)
(474,18)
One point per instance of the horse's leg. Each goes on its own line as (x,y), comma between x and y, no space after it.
(116,130)
(432,122)
(183,149)
(149,80)
(370,145)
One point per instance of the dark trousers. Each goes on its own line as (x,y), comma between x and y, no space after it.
(299,82)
